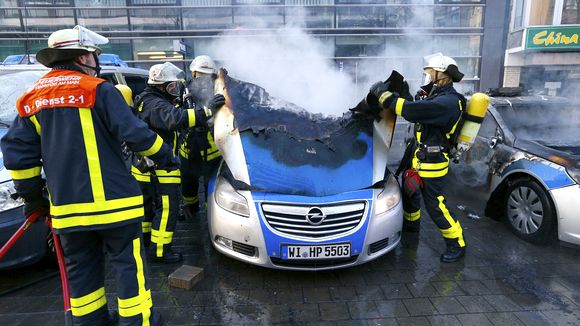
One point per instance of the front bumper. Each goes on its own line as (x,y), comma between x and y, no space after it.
(250,239)
(566,200)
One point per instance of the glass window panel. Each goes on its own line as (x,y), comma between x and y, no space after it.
(143,49)
(542,12)
(155,19)
(312,17)
(360,16)
(120,47)
(48,20)
(94,19)
(11,47)
(359,46)
(207,18)
(457,45)
(10,19)
(206,3)
(100,3)
(571,12)
(252,16)
(47,3)
(450,16)
(519,14)
(152,2)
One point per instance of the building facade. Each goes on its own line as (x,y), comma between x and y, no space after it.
(143,32)
(543,47)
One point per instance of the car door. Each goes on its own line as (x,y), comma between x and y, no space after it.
(471,179)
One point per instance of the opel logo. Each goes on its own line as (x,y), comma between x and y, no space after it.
(315,216)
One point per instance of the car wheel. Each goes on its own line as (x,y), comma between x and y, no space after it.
(529,211)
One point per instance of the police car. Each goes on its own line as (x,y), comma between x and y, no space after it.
(16,78)
(524,168)
(298,191)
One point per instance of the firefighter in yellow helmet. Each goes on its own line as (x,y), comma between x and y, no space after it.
(71,124)
(199,154)
(436,115)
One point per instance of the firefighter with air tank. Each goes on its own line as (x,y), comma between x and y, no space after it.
(156,105)
(199,154)
(438,114)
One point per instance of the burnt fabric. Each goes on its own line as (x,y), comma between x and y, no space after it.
(436,206)
(289,150)
(84,259)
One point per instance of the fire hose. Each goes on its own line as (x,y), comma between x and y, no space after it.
(32,218)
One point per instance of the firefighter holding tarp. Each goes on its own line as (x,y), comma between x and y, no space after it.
(199,154)
(436,116)
(71,124)
(155,105)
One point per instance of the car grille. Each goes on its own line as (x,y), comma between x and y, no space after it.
(314,263)
(292,219)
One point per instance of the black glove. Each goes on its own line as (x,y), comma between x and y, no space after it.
(202,114)
(170,163)
(381,91)
(216,103)
(31,206)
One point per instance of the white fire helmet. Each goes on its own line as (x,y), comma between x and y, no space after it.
(67,44)
(203,64)
(445,64)
(163,73)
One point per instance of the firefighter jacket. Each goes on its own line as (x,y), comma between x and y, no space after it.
(198,145)
(72,125)
(162,116)
(436,120)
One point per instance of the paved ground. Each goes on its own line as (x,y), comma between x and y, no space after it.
(502,281)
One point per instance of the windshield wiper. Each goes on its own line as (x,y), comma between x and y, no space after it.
(4,124)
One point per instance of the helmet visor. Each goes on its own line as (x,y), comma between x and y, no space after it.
(89,38)
(174,88)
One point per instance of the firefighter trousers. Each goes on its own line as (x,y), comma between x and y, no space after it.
(85,263)
(436,206)
(191,173)
(168,194)
(148,184)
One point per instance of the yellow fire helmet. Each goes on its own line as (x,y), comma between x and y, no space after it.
(67,44)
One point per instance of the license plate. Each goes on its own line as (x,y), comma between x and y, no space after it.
(317,252)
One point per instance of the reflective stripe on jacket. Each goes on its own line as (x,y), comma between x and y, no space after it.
(72,125)
(437,118)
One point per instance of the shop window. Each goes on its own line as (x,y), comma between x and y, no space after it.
(156,18)
(542,12)
(518,14)
(571,12)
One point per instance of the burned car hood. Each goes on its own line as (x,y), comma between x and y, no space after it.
(275,146)
(567,155)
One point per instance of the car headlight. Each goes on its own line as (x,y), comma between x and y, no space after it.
(6,200)
(229,199)
(389,197)
(574,174)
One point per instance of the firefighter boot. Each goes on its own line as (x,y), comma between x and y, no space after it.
(412,227)
(169,256)
(454,251)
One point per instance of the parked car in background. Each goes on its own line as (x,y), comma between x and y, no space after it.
(524,168)
(15,79)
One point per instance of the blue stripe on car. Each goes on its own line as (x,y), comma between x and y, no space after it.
(552,175)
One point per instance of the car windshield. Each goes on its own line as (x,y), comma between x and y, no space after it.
(546,123)
(14,85)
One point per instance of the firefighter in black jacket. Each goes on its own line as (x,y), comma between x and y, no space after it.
(155,106)
(71,124)
(199,154)
(436,119)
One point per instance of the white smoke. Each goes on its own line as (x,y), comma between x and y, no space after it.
(297,67)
